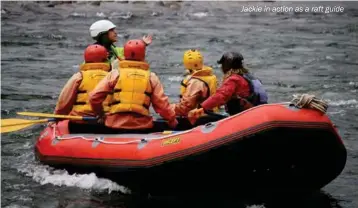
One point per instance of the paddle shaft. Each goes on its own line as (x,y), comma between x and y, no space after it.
(23,122)
(48,115)
(13,124)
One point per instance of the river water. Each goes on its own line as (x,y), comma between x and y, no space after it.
(42,45)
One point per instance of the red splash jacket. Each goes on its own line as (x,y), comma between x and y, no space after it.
(233,85)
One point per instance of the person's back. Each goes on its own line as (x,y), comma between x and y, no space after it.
(93,71)
(134,88)
(74,99)
(197,86)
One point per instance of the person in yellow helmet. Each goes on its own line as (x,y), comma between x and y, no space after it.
(199,84)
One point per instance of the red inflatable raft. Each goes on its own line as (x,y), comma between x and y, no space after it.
(267,147)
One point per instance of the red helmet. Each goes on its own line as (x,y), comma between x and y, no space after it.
(134,50)
(95,53)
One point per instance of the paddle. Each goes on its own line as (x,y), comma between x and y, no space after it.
(48,115)
(14,124)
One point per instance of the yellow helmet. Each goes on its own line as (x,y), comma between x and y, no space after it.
(193,60)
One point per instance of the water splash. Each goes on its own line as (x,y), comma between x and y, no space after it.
(100,14)
(116,15)
(353,84)
(343,102)
(175,78)
(75,14)
(44,174)
(200,14)
(340,112)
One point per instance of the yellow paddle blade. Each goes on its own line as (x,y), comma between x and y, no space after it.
(48,115)
(14,124)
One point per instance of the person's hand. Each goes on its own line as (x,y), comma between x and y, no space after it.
(173,123)
(194,114)
(186,73)
(100,119)
(147,39)
(51,123)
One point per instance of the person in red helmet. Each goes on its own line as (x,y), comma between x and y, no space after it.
(73,99)
(135,88)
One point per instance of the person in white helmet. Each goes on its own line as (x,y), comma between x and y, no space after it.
(103,31)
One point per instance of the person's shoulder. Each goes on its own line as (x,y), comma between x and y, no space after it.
(206,67)
(195,80)
(77,75)
(153,74)
(235,77)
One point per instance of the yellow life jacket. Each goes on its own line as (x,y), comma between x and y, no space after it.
(92,74)
(207,77)
(133,89)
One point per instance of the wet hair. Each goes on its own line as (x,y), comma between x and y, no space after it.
(240,71)
(232,63)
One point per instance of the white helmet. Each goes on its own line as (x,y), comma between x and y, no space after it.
(99,27)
